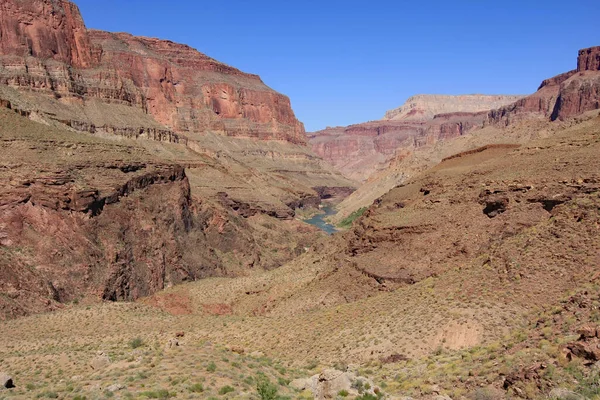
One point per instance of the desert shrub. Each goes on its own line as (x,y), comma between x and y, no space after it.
(265,389)
(358,385)
(161,394)
(343,393)
(367,396)
(196,388)
(136,342)
(226,389)
(590,386)
(212,367)
(485,394)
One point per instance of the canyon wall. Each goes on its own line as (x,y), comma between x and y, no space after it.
(358,151)
(46,48)
(424,107)
(564,96)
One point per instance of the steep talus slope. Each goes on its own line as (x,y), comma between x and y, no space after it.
(359,151)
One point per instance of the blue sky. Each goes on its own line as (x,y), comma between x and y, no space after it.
(344,62)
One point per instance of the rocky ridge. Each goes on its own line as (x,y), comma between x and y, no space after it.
(558,98)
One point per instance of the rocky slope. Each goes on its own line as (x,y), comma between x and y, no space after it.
(424,107)
(84,217)
(504,304)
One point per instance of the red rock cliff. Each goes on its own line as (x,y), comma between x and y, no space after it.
(563,96)
(44,29)
(45,46)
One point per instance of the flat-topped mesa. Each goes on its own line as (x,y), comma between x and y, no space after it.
(424,107)
(46,48)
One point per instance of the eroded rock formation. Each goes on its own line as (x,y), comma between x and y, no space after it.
(46,48)
(563,96)
(359,151)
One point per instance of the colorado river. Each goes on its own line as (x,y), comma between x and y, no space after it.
(319,219)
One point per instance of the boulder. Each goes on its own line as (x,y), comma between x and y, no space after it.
(330,382)
(100,361)
(305,383)
(6,381)
(115,387)
(587,331)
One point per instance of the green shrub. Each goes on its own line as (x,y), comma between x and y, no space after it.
(266,390)
(196,388)
(367,396)
(136,342)
(212,367)
(161,394)
(225,390)
(343,393)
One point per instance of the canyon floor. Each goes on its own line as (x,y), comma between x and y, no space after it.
(473,279)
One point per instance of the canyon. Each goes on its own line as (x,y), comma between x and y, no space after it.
(152,242)
(359,151)
(100,127)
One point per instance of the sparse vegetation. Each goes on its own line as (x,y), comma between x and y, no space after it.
(226,389)
(136,342)
(347,222)
(265,389)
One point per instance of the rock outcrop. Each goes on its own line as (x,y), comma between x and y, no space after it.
(563,96)
(6,381)
(46,48)
(424,107)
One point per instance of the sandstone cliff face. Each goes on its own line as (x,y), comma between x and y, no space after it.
(46,47)
(563,96)
(45,29)
(424,107)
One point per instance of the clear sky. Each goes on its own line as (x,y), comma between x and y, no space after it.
(344,62)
